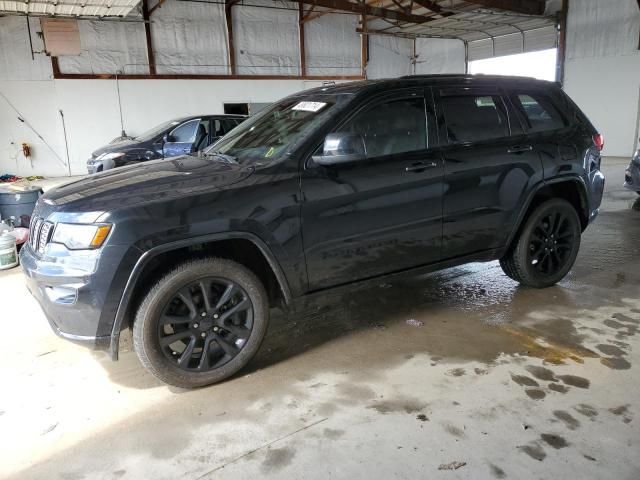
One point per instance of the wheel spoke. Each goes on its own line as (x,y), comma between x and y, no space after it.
(239,331)
(229,347)
(536,255)
(240,307)
(168,340)
(204,356)
(228,294)
(187,298)
(187,353)
(206,290)
(167,319)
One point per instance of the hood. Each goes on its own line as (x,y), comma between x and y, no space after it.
(119,146)
(147,182)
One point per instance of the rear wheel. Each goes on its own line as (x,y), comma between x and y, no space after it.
(201,323)
(547,246)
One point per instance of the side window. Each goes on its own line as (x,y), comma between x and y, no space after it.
(218,131)
(539,112)
(185,133)
(228,124)
(395,126)
(471,118)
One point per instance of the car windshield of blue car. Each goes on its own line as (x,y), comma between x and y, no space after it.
(155,131)
(273,131)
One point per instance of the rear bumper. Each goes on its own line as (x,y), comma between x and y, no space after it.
(596,191)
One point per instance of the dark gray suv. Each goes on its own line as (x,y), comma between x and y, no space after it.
(325,188)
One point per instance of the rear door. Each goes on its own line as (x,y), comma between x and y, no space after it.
(488,168)
(545,127)
(381,214)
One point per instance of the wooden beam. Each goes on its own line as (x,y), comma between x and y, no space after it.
(157,5)
(369,10)
(403,34)
(528,7)
(364,47)
(177,76)
(229,21)
(430,4)
(147,33)
(303,60)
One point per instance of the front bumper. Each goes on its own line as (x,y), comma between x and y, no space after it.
(632,177)
(94,166)
(77,290)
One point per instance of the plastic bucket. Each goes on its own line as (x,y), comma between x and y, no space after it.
(8,251)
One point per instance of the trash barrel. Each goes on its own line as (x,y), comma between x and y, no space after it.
(18,202)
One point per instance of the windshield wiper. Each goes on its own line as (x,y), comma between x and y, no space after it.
(220,156)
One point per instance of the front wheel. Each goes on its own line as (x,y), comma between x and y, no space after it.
(201,322)
(547,246)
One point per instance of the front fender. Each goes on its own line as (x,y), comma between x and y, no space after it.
(147,256)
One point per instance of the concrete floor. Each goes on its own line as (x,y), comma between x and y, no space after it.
(490,381)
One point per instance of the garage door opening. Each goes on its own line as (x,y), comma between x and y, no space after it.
(541,65)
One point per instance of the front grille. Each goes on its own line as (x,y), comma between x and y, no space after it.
(39,234)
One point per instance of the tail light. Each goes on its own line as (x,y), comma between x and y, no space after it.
(598,140)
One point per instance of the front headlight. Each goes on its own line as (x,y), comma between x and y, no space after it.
(80,237)
(636,158)
(111,156)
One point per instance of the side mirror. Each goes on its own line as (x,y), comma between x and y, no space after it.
(168,138)
(341,147)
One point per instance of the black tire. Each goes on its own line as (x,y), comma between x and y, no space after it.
(172,308)
(542,256)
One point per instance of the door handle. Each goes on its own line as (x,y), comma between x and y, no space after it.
(420,166)
(520,149)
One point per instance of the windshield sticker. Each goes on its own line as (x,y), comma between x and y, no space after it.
(309,106)
(270,153)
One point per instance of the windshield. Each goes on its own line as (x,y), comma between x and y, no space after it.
(155,131)
(274,130)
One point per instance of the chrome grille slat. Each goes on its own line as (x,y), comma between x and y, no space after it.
(39,234)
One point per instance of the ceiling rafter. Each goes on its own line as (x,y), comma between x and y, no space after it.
(529,7)
(369,10)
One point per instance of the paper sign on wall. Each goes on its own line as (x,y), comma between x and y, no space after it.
(61,36)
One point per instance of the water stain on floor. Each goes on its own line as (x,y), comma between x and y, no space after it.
(555,441)
(524,381)
(575,381)
(569,420)
(277,459)
(534,451)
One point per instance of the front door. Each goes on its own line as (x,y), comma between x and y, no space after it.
(382,214)
(180,140)
(489,166)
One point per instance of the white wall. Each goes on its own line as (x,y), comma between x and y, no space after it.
(439,56)
(602,68)
(92,119)
(90,107)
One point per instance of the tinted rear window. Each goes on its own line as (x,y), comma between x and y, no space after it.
(472,118)
(539,112)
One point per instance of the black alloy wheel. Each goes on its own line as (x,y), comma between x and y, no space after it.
(201,322)
(205,324)
(546,247)
(551,242)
